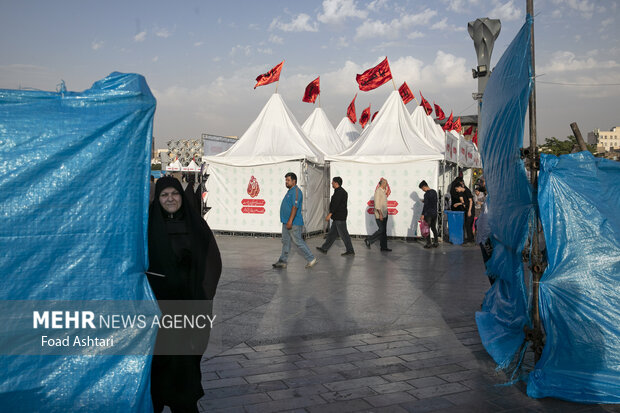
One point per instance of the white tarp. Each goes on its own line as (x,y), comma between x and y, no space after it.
(347,131)
(321,132)
(428,127)
(391,138)
(404,202)
(246,183)
(275,136)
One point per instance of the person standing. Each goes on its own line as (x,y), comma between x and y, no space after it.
(468,199)
(292,223)
(338,214)
(184,264)
(429,213)
(381,217)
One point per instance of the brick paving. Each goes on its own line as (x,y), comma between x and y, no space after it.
(397,358)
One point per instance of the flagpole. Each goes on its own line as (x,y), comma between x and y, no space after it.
(319,100)
(277,83)
(394,83)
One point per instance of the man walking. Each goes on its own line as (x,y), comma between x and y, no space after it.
(381,217)
(292,223)
(338,214)
(429,213)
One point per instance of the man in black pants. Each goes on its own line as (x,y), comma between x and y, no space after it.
(468,197)
(338,213)
(429,213)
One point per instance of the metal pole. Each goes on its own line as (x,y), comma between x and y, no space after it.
(536,335)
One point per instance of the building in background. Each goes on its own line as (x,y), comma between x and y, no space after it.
(605,141)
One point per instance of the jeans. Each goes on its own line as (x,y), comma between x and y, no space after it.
(294,234)
(381,233)
(338,228)
(432,223)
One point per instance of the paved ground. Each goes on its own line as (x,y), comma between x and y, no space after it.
(377,332)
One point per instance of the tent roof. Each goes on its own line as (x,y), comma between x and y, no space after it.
(274,136)
(347,131)
(321,132)
(391,138)
(429,128)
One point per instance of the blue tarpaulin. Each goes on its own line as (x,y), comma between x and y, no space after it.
(579,198)
(74,191)
(505,309)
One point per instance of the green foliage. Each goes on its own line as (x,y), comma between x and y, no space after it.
(557,147)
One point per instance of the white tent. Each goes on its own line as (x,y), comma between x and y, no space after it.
(192,167)
(174,166)
(347,131)
(394,149)
(246,182)
(429,128)
(321,132)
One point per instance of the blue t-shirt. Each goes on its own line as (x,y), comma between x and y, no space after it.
(288,203)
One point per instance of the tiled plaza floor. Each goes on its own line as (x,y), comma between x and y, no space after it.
(377,332)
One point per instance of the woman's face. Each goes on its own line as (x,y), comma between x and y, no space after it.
(170,199)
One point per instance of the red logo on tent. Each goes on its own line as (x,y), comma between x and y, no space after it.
(253,202)
(391,211)
(253,188)
(454,150)
(463,151)
(391,204)
(253,210)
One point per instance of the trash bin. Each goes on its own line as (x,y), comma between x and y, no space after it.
(456,220)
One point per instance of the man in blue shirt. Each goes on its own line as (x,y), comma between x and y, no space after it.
(292,223)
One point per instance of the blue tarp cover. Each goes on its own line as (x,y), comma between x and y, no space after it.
(74,189)
(579,198)
(505,309)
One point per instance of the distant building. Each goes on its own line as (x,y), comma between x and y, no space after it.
(605,141)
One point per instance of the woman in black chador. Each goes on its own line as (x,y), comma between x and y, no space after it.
(185,264)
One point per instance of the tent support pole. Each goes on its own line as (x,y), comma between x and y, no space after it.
(535,334)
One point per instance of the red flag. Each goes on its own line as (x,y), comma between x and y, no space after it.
(438,112)
(474,139)
(271,76)
(457,125)
(427,106)
(373,116)
(312,91)
(351,110)
(448,125)
(374,77)
(405,93)
(469,130)
(365,116)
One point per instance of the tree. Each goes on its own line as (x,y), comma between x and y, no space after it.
(557,147)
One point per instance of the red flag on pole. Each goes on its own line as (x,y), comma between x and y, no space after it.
(457,125)
(365,116)
(374,116)
(469,130)
(427,106)
(312,91)
(438,112)
(271,76)
(374,77)
(351,110)
(448,125)
(405,93)
(474,139)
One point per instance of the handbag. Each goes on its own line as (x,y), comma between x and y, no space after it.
(424,228)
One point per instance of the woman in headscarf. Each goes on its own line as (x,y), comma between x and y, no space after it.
(184,264)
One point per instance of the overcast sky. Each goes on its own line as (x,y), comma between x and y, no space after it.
(201,58)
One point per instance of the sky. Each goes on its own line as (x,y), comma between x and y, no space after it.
(201,58)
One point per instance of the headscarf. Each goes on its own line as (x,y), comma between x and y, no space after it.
(206,263)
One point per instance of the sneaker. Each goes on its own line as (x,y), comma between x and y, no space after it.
(367,243)
(279,264)
(323,250)
(312,263)
(435,244)
(427,246)
(348,253)
(386,249)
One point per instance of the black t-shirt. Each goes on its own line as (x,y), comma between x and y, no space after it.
(467,197)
